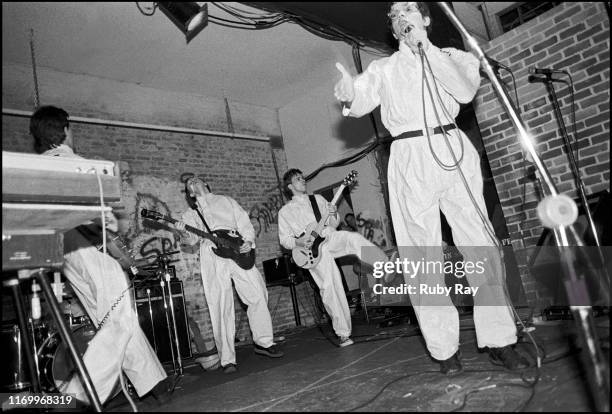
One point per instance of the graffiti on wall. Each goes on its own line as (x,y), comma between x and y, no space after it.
(371,229)
(266,213)
(155,244)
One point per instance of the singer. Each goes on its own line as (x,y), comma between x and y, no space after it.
(424,176)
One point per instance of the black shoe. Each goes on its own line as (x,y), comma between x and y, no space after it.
(271,351)
(230,368)
(162,392)
(507,357)
(451,366)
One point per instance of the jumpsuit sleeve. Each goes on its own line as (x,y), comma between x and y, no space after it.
(367,91)
(456,71)
(285,233)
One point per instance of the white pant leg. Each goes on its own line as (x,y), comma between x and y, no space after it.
(216,278)
(99,281)
(327,277)
(342,243)
(415,185)
(252,290)
(141,364)
(494,324)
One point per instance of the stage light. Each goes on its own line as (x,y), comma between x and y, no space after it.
(189,17)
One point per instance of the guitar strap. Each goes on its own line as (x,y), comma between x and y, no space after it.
(203,221)
(315,207)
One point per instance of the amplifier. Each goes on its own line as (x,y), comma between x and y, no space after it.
(277,271)
(156,323)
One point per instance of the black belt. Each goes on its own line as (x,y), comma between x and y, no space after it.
(420,132)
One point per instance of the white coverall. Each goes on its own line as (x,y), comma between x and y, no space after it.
(222,212)
(293,218)
(419,187)
(98,280)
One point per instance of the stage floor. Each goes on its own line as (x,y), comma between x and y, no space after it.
(387,369)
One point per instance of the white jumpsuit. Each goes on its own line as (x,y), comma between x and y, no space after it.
(99,282)
(222,212)
(419,187)
(293,218)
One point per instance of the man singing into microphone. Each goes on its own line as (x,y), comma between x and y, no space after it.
(423,172)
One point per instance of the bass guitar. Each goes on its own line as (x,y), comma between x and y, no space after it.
(228,242)
(307,258)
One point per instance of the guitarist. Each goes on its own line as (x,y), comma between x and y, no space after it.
(210,212)
(293,218)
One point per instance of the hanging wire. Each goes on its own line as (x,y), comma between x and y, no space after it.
(33,53)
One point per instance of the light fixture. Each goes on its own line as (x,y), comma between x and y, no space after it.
(189,17)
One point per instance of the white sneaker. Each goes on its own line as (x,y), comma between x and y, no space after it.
(345,341)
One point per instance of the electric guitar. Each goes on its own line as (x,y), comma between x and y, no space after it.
(228,242)
(307,258)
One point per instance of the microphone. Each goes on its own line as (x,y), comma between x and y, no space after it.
(497,65)
(544,71)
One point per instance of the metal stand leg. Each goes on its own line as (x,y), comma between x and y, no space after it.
(13,284)
(176,339)
(604,276)
(34,349)
(67,338)
(162,283)
(291,275)
(151,317)
(296,309)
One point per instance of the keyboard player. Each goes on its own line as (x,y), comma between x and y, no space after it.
(102,288)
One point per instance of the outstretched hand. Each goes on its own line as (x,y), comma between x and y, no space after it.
(344,90)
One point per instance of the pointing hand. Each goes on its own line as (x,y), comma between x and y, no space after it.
(344,90)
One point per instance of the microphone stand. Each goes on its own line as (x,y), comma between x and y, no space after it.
(579,183)
(559,212)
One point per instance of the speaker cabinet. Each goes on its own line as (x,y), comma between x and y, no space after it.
(157,323)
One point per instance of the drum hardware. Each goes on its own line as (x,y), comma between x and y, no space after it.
(164,261)
(56,366)
(162,283)
(13,283)
(151,317)
(14,375)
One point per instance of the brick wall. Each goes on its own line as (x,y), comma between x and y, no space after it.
(152,162)
(574,37)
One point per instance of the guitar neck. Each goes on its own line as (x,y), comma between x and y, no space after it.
(196,231)
(321,223)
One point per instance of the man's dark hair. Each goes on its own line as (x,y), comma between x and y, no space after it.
(287,178)
(47,127)
(423,8)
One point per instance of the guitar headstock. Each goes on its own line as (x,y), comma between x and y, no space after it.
(150,214)
(350,178)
